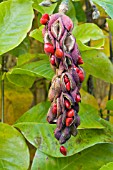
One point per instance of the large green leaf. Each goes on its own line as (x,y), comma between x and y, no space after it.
(41,135)
(89,117)
(22,80)
(25,58)
(25,75)
(108,166)
(88,31)
(15,21)
(98,65)
(28,57)
(109,105)
(107,5)
(91,159)
(14,153)
(36,114)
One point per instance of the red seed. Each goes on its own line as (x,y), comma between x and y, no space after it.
(70,113)
(68,86)
(78,98)
(67,103)
(69,121)
(81,76)
(66,80)
(59,53)
(54,109)
(44,19)
(52,60)
(80,60)
(48,48)
(63,150)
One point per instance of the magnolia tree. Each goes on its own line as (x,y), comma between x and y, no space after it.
(71,128)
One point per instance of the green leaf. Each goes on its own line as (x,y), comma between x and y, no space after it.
(91,159)
(88,31)
(80,14)
(42,56)
(83,47)
(110,23)
(39,69)
(87,98)
(89,117)
(22,49)
(26,74)
(108,166)
(107,5)
(15,21)
(41,135)
(37,7)
(98,65)
(24,58)
(21,80)
(36,113)
(109,105)
(14,153)
(37,34)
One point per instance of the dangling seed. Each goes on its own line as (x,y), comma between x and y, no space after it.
(63,150)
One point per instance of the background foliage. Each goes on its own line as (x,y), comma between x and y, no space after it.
(26,139)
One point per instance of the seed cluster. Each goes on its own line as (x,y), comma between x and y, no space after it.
(65,60)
